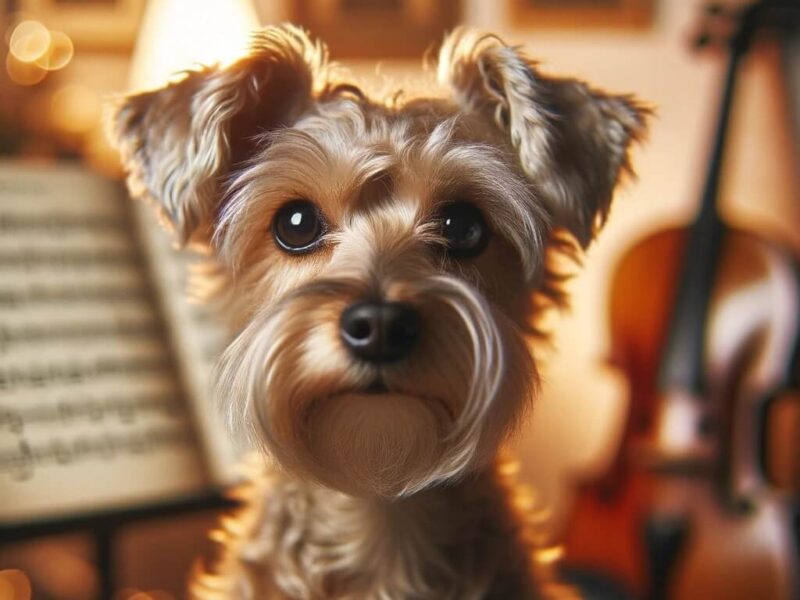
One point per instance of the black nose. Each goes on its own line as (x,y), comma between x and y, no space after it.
(380,331)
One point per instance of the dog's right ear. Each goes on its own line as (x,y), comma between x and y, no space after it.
(179,143)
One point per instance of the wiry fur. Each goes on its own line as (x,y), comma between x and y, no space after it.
(397,494)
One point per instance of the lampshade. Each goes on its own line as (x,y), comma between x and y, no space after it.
(179,34)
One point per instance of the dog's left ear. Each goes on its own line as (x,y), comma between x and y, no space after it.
(179,143)
(572,141)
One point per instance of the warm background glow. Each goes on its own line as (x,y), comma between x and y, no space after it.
(578,416)
(179,34)
(33,50)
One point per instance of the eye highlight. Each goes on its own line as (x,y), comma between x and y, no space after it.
(298,226)
(463,227)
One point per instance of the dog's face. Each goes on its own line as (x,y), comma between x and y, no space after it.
(381,255)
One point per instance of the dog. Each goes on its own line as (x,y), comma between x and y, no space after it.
(384,261)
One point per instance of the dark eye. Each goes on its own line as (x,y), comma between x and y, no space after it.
(297,226)
(463,227)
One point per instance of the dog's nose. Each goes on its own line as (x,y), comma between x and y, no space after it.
(380,331)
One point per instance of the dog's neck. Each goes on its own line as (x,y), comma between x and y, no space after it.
(451,541)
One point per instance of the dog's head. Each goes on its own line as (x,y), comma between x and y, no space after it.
(382,255)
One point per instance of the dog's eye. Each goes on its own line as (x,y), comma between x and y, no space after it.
(297,226)
(463,227)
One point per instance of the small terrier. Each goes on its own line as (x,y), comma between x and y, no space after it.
(384,261)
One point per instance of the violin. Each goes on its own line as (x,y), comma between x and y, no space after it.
(704,324)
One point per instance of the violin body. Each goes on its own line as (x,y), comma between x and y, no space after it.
(685,511)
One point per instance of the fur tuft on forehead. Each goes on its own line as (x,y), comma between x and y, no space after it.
(349,158)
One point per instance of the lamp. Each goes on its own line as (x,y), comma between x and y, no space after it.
(178,34)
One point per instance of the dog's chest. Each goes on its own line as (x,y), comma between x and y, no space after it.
(297,541)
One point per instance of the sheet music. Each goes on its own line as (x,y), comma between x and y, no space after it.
(198,339)
(91,410)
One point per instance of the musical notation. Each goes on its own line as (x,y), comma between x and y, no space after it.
(56,222)
(20,462)
(76,330)
(75,259)
(90,402)
(40,294)
(124,409)
(77,371)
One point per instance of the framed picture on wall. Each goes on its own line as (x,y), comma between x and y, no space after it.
(570,14)
(103,25)
(372,29)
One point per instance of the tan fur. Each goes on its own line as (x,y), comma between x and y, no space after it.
(397,494)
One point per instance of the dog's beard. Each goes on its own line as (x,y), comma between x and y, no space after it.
(365,443)
(289,384)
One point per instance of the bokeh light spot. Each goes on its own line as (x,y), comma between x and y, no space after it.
(58,54)
(29,41)
(24,73)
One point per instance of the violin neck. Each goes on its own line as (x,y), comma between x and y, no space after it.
(709,211)
(682,365)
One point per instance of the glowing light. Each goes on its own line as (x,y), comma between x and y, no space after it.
(29,41)
(58,53)
(34,50)
(75,109)
(549,555)
(179,34)
(24,73)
